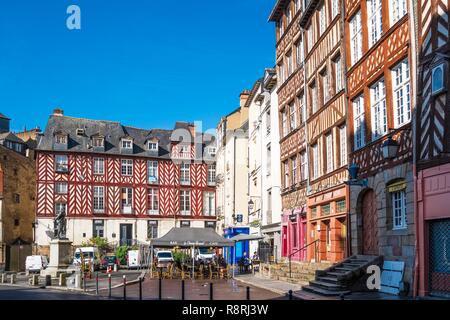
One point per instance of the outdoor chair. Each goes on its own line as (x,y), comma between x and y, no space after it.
(168,274)
(185,274)
(213,273)
(199,274)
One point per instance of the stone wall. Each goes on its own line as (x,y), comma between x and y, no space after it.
(395,245)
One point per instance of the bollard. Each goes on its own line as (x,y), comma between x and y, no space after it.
(160,289)
(13,278)
(140,288)
(62,280)
(124,287)
(34,280)
(84,282)
(290,294)
(109,285)
(48,280)
(115,267)
(3,277)
(248,293)
(211,297)
(182,289)
(96,283)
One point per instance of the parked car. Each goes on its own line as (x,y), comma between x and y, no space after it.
(163,258)
(204,255)
(133,260)
(110,261)
(35,264)
(90,255)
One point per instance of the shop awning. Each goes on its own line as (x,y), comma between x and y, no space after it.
(246,237)
(189,237)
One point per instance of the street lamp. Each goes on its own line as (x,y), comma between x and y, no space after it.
(390,148)
(251,205)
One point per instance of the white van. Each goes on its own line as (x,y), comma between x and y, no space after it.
(90,255)
(35,264)
(133,259)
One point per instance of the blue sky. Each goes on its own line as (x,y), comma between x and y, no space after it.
(143,63)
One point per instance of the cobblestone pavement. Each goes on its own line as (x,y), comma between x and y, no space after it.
(194,290)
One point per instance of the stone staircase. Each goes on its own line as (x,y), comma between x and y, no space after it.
(301,272)
(344,277)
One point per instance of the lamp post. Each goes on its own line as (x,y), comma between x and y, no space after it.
(390,148)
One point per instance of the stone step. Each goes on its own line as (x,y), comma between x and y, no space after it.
(335,273)
(327,285)
(328,278)
(352,265)
(344,269)
(324,292)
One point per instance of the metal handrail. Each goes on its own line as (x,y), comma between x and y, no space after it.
(298,250)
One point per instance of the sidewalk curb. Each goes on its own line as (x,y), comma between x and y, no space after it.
(280,292)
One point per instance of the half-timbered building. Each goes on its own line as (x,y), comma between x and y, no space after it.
(312,129)
(122,183)
(433,148)
(380,84)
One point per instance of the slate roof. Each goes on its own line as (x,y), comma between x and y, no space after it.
(10,137)
(4,117)
(113,132)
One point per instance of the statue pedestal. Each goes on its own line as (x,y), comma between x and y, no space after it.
(60,257)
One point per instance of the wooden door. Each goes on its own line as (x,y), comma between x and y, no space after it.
(370,224)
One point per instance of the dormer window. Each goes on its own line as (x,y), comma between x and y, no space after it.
(98,142)
(80,132)
(152,146)
(212,151)
(127,144)
(61,139)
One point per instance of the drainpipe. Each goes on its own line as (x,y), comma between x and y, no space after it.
(414,51)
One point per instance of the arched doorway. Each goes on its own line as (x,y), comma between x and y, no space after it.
(369,223)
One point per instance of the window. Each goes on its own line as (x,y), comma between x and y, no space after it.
(301,107)
(399,209)
(299,51)
(268,122)
(80,132)
(99,166)
(330,153)
(209,204)
(99,199)
(98,228)
(185,224)
(152,229)
(212,151)
(288,14)
(185,202)
(289,63)
(310,37)
(325,86)
(378,109)
(127,200)
(284,126)
(60,208)
(211,174)
(127,167)
(323,21)
(152,198)
(401,89)
(153,146)
(268,159)
(294,170)
(303,166)
(328,237)
(98,142)
(315,161)
(326,209)
(280,68)
(437,79)
(210,224)
(313,96)
(16,222)
(292,116)
(16,198)
(338,74)
(341,206)
(286,173)
(127,144)
(334,8)
(359,122)
(62,164)
(61,187)
(343,145)
(152,168)
(61,139)
(398,10)
(375,21)
(185,173)
(294,235)
(356,37)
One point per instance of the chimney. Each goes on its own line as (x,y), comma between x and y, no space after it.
(243,97)
(192,129)
(58,112)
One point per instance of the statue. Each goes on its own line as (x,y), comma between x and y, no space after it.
(59,230)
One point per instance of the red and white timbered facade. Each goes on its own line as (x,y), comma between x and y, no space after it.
(122,196)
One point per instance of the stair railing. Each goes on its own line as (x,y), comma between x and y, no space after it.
(315,243)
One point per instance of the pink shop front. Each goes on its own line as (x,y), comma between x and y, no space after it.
(293,234)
